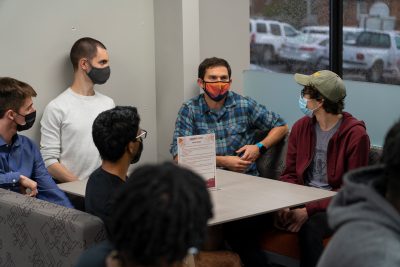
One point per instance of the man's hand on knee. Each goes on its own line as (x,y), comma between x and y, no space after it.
(298,217)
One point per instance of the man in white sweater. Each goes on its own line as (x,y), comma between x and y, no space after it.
(66,138)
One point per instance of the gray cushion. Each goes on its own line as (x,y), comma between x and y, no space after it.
(272,163)
(34,232)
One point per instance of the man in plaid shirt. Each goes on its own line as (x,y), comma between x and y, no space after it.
(233,119)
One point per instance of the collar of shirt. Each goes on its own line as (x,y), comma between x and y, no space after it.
(2,142)
(15,141)
(229,102)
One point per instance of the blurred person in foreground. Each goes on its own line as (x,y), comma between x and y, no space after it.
(366,213)
(159,216)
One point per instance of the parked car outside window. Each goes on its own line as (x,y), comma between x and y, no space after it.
(303,51)
(349,33)
(376,54)
(319,31)
(266,39)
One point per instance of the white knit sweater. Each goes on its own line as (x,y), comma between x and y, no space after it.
(66,131)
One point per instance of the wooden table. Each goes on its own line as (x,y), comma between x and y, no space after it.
(240,196)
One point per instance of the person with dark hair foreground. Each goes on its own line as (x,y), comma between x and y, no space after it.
(159,216)
(21,165)
(119,139)
(366,213)
(66,143)
(233,119)
(323,145)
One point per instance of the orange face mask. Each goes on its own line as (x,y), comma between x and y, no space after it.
(217,90)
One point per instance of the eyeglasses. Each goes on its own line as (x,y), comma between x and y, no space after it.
(142,135)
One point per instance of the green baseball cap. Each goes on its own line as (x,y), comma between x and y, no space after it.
(328,83)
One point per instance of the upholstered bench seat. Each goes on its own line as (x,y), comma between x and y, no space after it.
(282,242)
(34,232)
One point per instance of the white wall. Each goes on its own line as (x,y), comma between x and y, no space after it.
(148,43)
(36,37)
(224,32)
(177,57)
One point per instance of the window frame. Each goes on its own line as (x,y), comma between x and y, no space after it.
(336,36)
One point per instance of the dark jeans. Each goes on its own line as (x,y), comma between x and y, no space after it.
(244,236)
(311,236)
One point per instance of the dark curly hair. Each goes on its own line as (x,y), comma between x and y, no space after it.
(160,213)
(211,63)
(329,106)
(113,129)
(391,159)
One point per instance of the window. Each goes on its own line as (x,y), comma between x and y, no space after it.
(350,37)
(275,29)
(319,32)
(374,40)
(371,38)
(324,42)
(280,49)
(384,41)
(289,31)
(364,39)
(397,42)
(261,28)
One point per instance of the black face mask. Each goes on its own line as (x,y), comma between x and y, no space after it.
(138,153)
(29,121)
(99,75)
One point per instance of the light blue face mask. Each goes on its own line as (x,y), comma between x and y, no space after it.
(303,107)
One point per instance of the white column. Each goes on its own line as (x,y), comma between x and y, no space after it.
(176,59)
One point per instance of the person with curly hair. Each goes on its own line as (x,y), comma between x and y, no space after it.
(159,216)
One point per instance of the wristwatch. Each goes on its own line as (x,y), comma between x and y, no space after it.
(261,148)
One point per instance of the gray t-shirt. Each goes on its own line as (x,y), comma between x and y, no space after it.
(316,173)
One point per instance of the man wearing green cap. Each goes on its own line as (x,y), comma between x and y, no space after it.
(323,145)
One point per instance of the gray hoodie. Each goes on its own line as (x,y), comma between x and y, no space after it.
(367,227)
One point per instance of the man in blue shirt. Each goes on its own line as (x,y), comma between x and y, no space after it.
(233,119)
(21,165)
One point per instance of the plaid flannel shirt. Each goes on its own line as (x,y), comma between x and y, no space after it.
(234,124)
